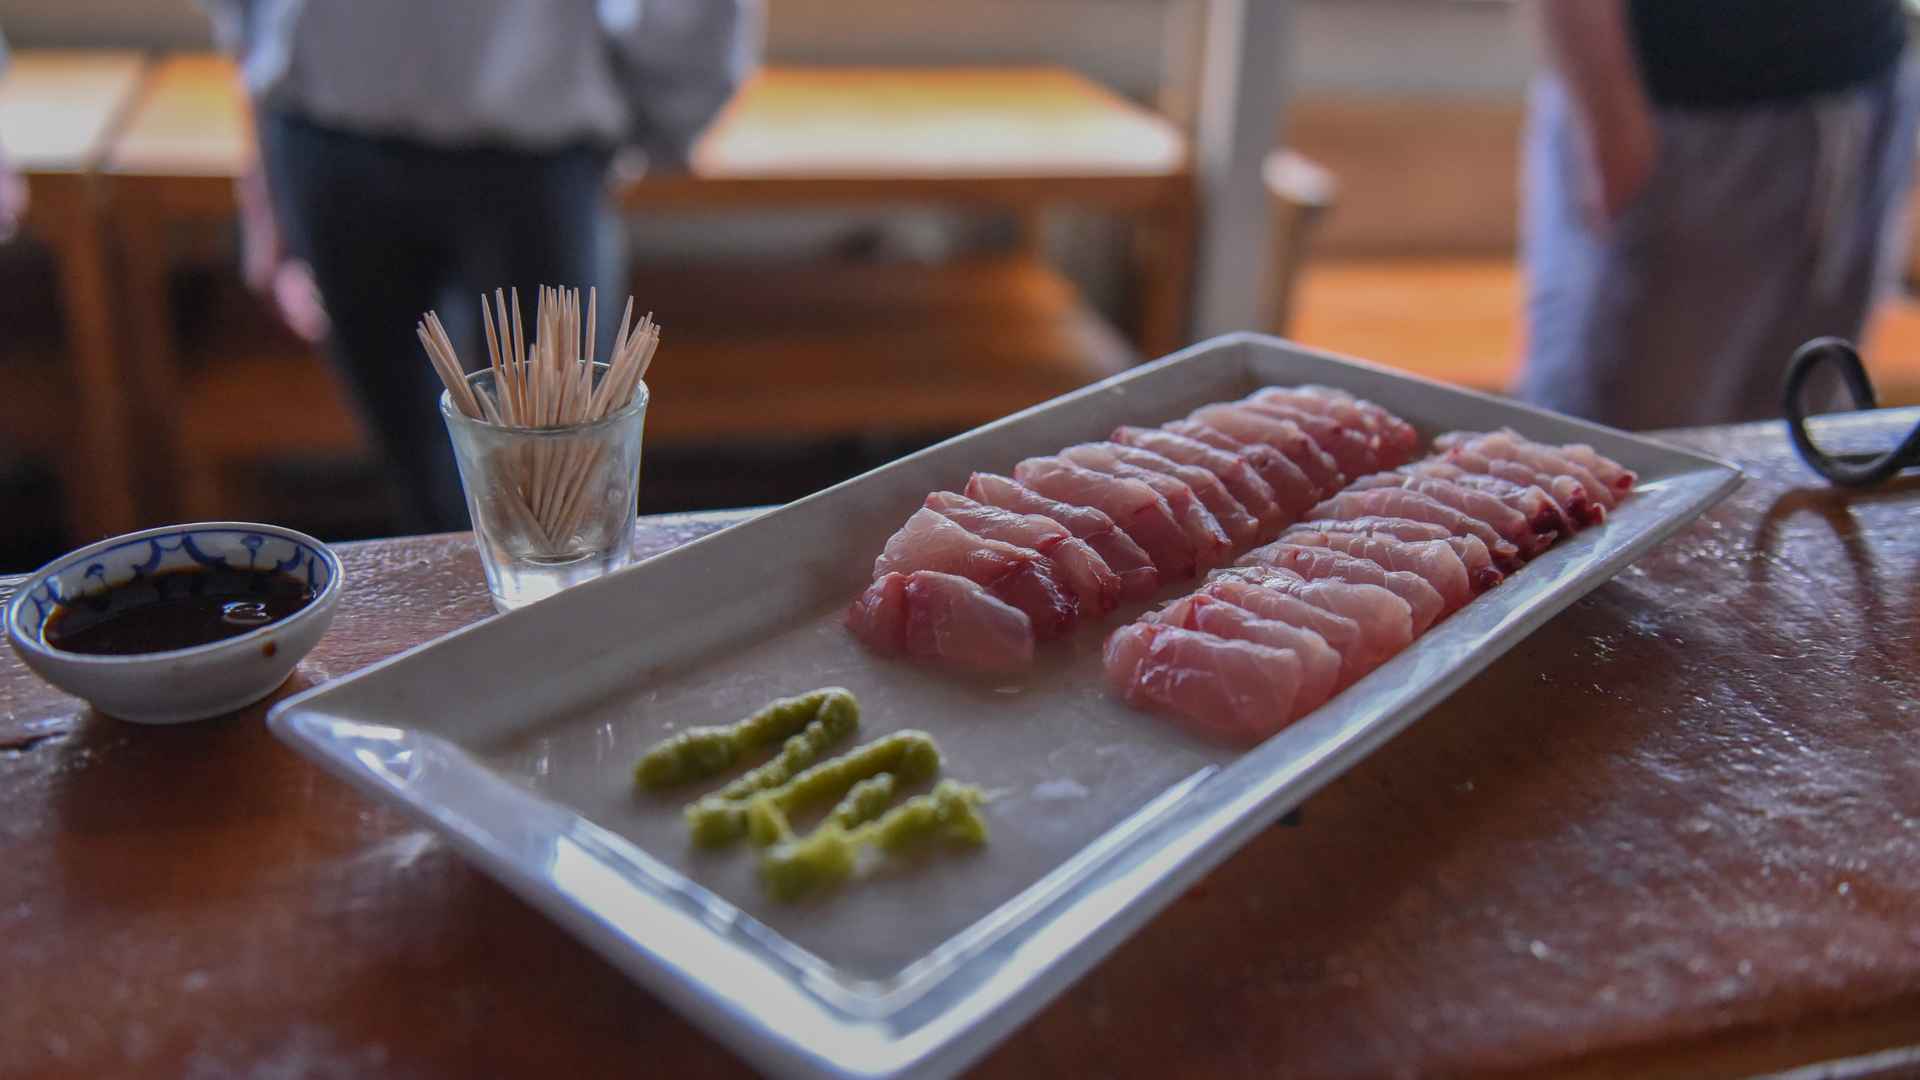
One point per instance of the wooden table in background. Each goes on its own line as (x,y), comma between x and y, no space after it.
(1675,832)
(58,112)
(1023,139)
(1026,139)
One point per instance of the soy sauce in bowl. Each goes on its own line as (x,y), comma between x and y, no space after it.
(176,609)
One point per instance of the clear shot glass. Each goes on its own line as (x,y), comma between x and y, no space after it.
(551,507)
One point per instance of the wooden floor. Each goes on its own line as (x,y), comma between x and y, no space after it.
(1458,320)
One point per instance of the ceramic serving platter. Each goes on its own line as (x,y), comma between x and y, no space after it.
(516,738)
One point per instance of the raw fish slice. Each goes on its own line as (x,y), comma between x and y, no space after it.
(1581,509)
(1292,488)
(1139,510)
(1232,471)
(1472,552)
(1319,663)
(1529,500)
(1357,654)
(1537,456)
(1319,562)
(1212,545)
(1401,503)
(1530,536)
(942,619)
(1385,620)
(1433,560)
(1238,519)
(1020,576)
(1183,486)
(1095,586)
(1138,577)
(1393,440)
(1251,425)
(1356,449)
(1609,472)
(1231,690)
(1394,432)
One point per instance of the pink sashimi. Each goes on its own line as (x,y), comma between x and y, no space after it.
(1385,620)
(1212,545)
(1581,509)
(1529,500)
(1479,562)
(1138,577)
(1356,449)
(1433,560)
(1095,586)
(1232,470)
(1401,503)
(1235,691)
(1339,632)
(1139,510)
(1241,525)
(1540,457)
(1018,575)
(1250,425)
(1316,563)
(1292,488)
(1394,441)
(1319,662)
(942,619)
(1531,537)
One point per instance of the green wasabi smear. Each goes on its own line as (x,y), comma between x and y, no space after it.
(767,823)
(700,752)
(829,854)
(910,756)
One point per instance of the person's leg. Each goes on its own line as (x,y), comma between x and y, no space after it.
(541,219)
(377,257)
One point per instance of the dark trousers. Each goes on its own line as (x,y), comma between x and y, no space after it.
(393,228)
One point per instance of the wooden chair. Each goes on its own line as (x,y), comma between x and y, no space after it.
(1301,193)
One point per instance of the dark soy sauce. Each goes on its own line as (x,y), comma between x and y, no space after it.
(177,609)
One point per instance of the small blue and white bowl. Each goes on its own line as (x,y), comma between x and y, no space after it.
(180,684)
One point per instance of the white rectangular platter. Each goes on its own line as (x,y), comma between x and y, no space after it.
(516,738)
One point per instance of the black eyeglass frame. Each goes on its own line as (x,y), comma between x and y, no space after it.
(1848,470)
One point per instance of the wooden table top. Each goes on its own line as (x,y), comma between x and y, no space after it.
(869,121)
(806,132)
(1674,832)
(58,107)
(190,120)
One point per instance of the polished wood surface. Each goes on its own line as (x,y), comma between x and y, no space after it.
(1675,832)
(59,111)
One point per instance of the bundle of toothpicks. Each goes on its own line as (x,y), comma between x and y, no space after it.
(546,485)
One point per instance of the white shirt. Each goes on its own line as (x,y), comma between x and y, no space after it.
(530,74)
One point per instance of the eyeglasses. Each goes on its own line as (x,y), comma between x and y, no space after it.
(1850,470)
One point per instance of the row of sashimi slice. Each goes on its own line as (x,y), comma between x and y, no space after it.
(975,578)
(1293,622)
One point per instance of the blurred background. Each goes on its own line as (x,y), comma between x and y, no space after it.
(919,217)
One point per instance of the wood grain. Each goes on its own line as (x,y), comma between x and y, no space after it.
(1674,833)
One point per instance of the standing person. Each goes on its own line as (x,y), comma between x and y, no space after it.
(416,154)
(1710,183)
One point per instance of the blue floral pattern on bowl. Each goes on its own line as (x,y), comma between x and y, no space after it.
(181,684)
(180,549)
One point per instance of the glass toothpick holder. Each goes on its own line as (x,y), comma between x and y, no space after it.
(551,506)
